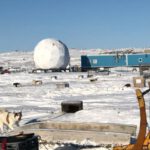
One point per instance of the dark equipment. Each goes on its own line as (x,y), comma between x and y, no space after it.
(71,106)
(19,142)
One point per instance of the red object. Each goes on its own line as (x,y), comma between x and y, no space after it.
(4,144)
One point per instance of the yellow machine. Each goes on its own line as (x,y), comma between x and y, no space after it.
(143,140)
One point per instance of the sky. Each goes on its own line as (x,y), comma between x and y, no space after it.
(82,24)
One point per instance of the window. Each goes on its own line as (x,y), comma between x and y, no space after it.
(140,60)
(94,61)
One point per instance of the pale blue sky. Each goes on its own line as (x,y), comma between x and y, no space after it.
(78,23)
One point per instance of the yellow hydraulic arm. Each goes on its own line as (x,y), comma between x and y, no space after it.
(143,141)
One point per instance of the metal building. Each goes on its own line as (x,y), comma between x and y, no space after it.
(114,60)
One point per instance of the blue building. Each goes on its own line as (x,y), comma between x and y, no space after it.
(114,60)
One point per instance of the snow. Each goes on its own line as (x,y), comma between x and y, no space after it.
(105,100)
(50,53)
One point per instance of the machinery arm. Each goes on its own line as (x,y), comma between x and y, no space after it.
(143,124)
(143,121)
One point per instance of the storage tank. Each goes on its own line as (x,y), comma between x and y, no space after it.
(51,54)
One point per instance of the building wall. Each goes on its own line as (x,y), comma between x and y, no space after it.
(114,60)
(137,59)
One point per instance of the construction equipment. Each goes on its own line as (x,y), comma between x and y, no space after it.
(143,141)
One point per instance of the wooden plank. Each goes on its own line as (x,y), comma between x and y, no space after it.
(100,133)
(79,136)
(84,126)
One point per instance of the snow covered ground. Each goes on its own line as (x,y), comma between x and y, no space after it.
(105,100)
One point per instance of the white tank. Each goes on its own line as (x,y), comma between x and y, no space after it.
(51,54)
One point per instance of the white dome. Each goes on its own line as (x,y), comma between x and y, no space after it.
(51,54)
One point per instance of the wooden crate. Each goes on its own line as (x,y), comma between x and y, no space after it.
(62,85)
(139,82)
